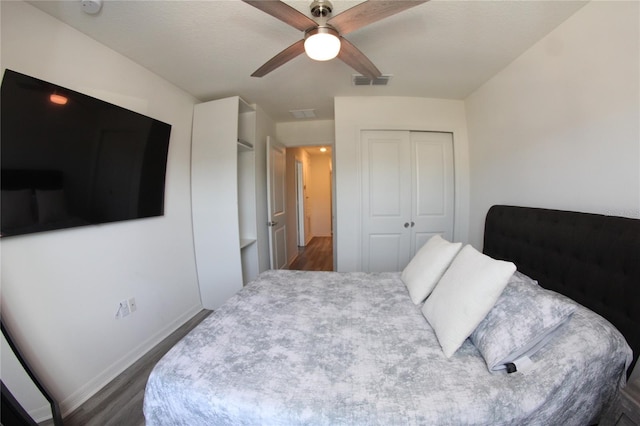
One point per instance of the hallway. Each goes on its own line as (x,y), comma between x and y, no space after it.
(315,256)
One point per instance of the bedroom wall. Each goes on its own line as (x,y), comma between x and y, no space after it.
(319,186)
(559,127)
(354,114)
(60,289)
(306,132)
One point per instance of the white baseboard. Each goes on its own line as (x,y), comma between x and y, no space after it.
(80,396)
(41,414)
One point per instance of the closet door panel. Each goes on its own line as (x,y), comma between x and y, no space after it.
(433,187)
(386,199)
(386,252)
(385,179)
(430,190)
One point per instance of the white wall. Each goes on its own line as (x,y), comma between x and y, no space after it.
(559,127)
(60,289)
(354,114)
(319,187)
(306,132)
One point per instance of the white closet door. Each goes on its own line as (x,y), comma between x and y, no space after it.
(433,187)
(407,195)
(386,195)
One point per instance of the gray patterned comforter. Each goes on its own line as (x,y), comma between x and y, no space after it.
(328,348)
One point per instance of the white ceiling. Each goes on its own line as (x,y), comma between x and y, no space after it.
(439,49)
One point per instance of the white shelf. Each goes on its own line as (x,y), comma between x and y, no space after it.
(244,145)
(245,242)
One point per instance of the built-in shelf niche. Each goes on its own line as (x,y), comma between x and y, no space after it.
(224,198)
(247,190)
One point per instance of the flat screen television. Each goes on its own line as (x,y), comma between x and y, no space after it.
(70,160)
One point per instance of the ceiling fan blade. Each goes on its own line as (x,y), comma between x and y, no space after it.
(280,59)
(369,12)
(284,12)
(350,55)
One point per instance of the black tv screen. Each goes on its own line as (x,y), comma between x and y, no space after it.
(70,160)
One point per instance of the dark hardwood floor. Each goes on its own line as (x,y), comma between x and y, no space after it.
(315,256)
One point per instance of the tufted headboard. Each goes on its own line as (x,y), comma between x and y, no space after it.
(591,258)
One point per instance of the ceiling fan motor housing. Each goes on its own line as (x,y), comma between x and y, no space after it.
(321,8)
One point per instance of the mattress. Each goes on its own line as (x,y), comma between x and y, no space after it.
(331,348)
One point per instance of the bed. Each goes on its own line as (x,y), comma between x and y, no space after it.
(355,348)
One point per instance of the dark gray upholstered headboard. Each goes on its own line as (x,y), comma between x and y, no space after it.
(593,259)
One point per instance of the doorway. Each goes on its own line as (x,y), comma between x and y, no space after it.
(309,195)
(300,213)
(315,256)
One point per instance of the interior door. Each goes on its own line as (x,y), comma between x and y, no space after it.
(407,195)
(276,201)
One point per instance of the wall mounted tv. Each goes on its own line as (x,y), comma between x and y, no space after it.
(70,160)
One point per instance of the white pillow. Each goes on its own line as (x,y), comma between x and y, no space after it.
(464,296)
(427,266)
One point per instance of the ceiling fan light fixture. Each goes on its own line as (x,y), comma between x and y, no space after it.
(322,43)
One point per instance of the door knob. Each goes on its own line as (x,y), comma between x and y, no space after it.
(272,223)
(413,224)
(406,224)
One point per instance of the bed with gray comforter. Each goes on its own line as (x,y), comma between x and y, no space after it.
(329,348)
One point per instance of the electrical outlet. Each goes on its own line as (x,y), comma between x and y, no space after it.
(123,309)
(132,305)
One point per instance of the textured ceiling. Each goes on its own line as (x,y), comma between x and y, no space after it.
(439,49)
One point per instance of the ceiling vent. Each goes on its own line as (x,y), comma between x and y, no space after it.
(361,80)
(303,113)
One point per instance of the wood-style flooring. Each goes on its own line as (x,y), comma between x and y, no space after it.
(315,256)
(120,402)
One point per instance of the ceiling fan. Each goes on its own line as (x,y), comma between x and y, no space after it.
(328,31)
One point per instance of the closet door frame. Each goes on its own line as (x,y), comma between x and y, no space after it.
(407,194)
